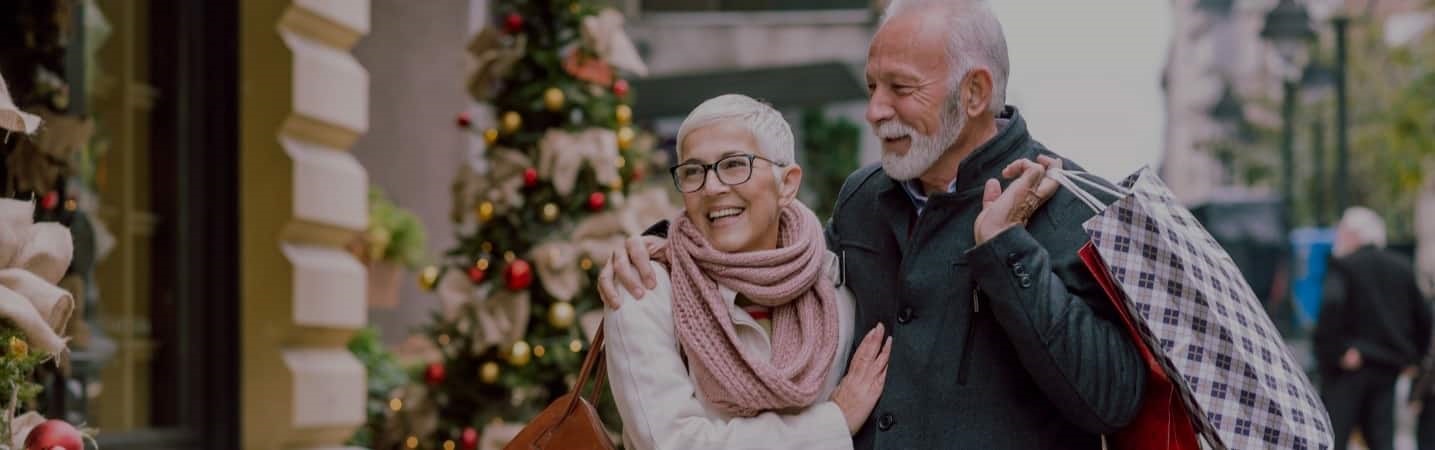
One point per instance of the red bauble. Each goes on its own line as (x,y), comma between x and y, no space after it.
(475,275)
(596,201)
(464,120)
(54,434)
(638,174)
(50,200)
(518,276)
(620,88)
(530,177)
(469,439)
(434,373)
(513,23)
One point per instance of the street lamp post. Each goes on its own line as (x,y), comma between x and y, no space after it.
(1342,119)
(1288,28)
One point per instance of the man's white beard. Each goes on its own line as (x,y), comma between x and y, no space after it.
(924,150)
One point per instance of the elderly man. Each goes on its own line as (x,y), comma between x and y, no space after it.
(1373,324)
(1001,338)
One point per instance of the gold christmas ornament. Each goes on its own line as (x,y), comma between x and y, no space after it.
(396,404)
(624,114)
(71,205)
(508,256)
(585,263)
(488,372)
(616,186)
(561,315)
(18,347)
(550,212)
(520,355)
(443,339)
(539,351)
(412,442)
(553,99)
(621,162)
(428,278)
(574,8)
(625,137)
(482,264)
(486,246)
(490,136)
(449,445)
(575,346)
(512,122)
(485,211)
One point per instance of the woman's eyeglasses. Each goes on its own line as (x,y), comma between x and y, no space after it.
(731,170)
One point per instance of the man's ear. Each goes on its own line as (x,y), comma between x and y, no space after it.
(789,184)
(977,92)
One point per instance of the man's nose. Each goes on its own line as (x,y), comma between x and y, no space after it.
(879,108)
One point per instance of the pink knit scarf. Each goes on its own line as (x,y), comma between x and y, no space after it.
(804,317)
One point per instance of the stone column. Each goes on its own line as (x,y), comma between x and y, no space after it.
(303,103)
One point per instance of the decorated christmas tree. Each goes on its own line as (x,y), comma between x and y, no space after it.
(554,188)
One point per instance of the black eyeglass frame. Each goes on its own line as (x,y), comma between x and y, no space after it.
(707,168)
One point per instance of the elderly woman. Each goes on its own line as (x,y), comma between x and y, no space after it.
(744,340)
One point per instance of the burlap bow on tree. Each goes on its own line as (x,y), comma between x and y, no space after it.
(500,183)
(603,33)
(499,316)
(562,154)
(33,257)
(494,54)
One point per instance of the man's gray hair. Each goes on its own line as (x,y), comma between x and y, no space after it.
(774,136)
(1365,224)
(974,39)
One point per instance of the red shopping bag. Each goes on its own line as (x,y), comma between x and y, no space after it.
(1163,421)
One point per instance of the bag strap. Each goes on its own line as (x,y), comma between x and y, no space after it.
(1077,182)
(590,365)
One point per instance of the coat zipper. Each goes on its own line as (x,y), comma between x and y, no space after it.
(966,361)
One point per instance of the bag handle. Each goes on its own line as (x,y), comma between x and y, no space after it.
(590,366)
(1077,182)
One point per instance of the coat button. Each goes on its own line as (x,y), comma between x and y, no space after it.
(886,422)
(1025,281)
(1019,269)
(905,316)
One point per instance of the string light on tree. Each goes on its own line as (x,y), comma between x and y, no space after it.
(625,138)
(488,372)
(550,212)
(520,354)
(428,278)
(585,263)
(575,346)
(561,315)
(485,211)
(539,351)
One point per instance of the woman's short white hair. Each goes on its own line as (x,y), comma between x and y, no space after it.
(773,135)
(974,39)
(1365,224)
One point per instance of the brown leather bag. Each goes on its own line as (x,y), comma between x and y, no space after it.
(571,421)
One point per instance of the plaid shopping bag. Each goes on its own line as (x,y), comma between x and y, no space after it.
(1209,331)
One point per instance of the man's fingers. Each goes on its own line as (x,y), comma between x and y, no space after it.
(638,253)
(1048,184)
(1016,168)
(991,192)
(1030,176)
(626,275)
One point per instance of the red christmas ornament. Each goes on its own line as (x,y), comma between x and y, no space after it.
(518,275)
(638,174)
(475,275)
(53,435)
(530,177)
(620,88)
(596,201)
(50,200)
(469,439)
(513,23)
(464,120)
(434,373)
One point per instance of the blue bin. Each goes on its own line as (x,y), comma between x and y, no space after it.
(1311,249)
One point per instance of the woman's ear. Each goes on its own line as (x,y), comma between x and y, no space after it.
(788,185)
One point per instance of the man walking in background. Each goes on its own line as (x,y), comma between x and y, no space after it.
(1373,325)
